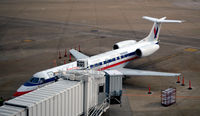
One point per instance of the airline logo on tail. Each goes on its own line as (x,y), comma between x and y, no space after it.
(155,32)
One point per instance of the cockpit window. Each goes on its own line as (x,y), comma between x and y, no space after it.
(34,80)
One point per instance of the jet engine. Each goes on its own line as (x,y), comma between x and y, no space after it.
(123,44)
(147,50)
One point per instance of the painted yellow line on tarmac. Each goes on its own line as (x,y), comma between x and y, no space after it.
(190,49)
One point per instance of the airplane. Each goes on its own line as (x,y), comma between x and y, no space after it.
(123,52)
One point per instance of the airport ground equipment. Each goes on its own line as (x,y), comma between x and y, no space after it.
(62,98)
(95,99)
(114,86)
(168,96)
(78,92)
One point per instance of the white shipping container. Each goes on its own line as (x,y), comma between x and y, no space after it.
(53,100)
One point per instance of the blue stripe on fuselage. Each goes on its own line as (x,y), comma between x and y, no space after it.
(35,84)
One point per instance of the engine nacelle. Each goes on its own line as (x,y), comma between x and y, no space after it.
(147,50)
(123,44)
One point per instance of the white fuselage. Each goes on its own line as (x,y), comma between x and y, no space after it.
(124,52)
(108,60)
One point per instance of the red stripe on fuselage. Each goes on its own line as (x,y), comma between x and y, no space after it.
(113,65)
(21,93)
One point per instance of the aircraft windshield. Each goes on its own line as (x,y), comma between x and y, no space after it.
(34,80)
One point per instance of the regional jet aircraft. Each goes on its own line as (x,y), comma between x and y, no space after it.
(123,52)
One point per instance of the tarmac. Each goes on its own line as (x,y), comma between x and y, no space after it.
(32,32)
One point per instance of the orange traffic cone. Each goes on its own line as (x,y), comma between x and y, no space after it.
(183,84)
(59,55)
(190,88)
(178,81)
(65,53)
(149,90)
(64,61)
(79,49)
(70,59)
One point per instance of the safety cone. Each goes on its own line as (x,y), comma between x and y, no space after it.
(190,88)
(178,81)
(183,82)
(70,59)
(59,55)
(65,53)
(149,90)
(64,61)
(79,49)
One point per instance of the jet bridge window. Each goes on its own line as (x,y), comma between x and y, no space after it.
(101,88)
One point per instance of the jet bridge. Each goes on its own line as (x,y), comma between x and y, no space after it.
(78,92)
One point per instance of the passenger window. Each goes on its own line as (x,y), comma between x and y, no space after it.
(91,66)
(113,59)
(117,58)
(132,53)
(105,62)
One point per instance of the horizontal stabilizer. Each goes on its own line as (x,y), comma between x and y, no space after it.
(161,20)
(77,54)
(133,72)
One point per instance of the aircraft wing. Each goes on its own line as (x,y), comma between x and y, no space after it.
(77,54)
(133,72)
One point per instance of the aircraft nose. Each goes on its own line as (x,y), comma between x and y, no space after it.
(23,90)
(20,93)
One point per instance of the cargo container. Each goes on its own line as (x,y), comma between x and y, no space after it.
(168,96)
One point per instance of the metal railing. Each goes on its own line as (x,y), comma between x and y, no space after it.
(99,109)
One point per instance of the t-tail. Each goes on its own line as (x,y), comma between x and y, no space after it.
(154,33)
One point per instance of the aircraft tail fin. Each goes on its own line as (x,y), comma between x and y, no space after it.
(154,33)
